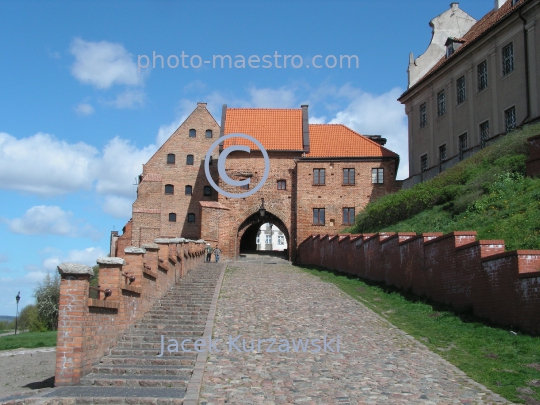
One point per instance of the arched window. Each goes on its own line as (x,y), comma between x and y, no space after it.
(209,133)
(189,190)
(169,189)
(192,133)
(189,160)
(207,190)
(172,217)
(191,217)
(171,159)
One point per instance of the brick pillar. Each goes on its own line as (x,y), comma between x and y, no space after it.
(110,276)
(150,258)
(134,264)
(72,311)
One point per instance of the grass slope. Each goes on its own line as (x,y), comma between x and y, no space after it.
(487,193)
(508,364)
(28,340)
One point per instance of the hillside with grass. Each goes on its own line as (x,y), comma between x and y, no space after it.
(487,193)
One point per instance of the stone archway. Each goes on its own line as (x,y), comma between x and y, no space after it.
(247,232)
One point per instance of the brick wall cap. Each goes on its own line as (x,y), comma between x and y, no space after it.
(75,268)
(162,240)
(370,236)
(178,240)
(110,260)
(134,250)
(480,243)
(411,239)
(150,246)
(200,241)
(512,253)
(450,235)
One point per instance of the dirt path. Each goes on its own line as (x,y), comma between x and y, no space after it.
(26,370)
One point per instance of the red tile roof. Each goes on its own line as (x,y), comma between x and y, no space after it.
(276,129)
(477,30)
(336,140)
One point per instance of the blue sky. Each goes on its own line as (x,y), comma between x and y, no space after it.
(78,118)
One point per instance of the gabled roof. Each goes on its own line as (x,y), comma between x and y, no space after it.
(277,129)
(481,27)
(336,140)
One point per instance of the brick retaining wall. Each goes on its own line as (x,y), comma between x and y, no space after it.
(454,269)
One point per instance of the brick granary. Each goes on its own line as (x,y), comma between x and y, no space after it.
(321,176)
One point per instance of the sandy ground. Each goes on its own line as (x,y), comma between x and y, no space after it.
(26,370)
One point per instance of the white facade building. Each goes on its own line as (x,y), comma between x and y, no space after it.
(270,237)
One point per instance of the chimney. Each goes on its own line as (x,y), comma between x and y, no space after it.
(199,104)
(499,4)
(305,127)
(454,5)
(377,138)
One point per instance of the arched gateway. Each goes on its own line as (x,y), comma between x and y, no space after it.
(320,177)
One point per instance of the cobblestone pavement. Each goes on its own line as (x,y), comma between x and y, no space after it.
(376,363)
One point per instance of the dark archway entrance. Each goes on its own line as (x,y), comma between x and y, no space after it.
(249,230)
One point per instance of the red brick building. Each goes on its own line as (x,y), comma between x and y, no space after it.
(321,176)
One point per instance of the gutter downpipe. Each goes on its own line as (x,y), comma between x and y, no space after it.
(527,80)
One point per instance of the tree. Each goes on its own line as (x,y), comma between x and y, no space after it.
(47,295)
(29,319)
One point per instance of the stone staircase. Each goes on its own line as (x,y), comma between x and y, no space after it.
(133,372)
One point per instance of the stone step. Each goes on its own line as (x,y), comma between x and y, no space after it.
(113,395)
(166,360)
(157,336)
(156,329)
(133,381)
(165,322)
(136,369)
(133,351)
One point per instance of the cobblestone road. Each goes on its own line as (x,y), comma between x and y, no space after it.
(376,363)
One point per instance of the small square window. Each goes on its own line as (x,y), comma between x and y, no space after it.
(348,176)
(169,189)
(171,158)
(192,133)
(207,191)
(191,217)
(318,216)
(348,216)
(245,186)
(281,185)
(460,86)
(319,176)
(209,133)
(377,176)
(172,217)
(189,160)
(189,190)
(423,115)
(441,103)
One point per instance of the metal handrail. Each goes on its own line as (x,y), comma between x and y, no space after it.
(107,291)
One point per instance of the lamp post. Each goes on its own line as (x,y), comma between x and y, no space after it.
(262,209)
(17,298)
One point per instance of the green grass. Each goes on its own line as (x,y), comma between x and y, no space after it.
(489,355)
(487,193)
(28,340)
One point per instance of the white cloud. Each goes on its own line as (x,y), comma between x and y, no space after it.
(50,220)
(84,109)
(371,114)
(128,99)
(272,98)
(103,64)
(86,256)
(118,207)
(43,165)
(119,167)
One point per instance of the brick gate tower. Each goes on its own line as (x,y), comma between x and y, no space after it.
(321,176)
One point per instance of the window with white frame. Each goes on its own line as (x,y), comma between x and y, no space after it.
(268,239)
(377,176)
(281,239)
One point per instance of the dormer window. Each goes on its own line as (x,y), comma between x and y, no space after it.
(449,49)
(452,45)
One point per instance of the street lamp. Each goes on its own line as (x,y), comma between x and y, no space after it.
(17,298)
(262,210)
